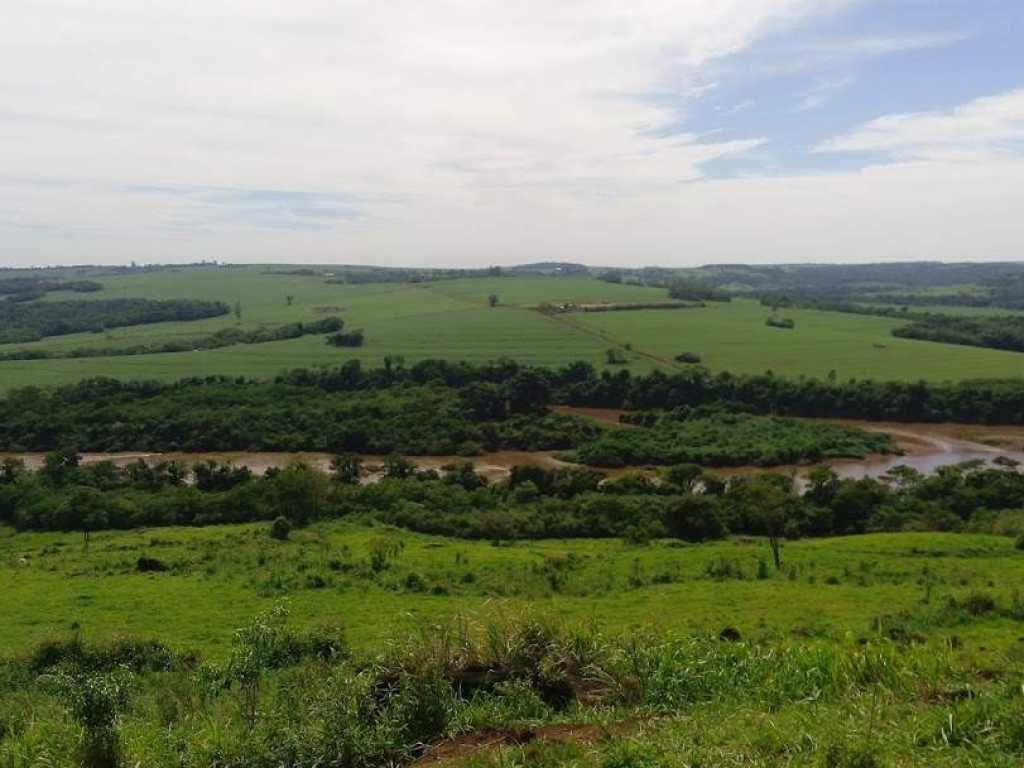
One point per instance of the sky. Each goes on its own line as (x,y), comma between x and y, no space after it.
(471,133)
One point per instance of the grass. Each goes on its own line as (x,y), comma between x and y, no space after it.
(217,577)
(451,319)
(868,651)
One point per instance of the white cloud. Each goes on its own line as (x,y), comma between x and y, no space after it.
(401,107)
(443,132)
(878,45)
(972,131)
(818,94)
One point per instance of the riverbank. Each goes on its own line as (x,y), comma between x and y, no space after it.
(924,447)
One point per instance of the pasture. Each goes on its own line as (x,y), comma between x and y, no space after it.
(216,578)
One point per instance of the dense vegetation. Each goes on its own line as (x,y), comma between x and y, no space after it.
(436,407)
(31,288)
(924,283)
(993,331)
(722,439)
(225,337)
(695,290)
(351,411)
(31,321)
(686,503)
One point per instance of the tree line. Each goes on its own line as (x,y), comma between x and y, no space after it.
(685,501)
(23,322)
(30,288)
(225,337)
(994,332)
(441,407)
(220,413)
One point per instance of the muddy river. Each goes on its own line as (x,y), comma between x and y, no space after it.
(925,448)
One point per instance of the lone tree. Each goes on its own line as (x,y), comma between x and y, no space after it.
(766,503)
(289,299)
(238,311)
(492,300)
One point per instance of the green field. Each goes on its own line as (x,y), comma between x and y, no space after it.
(219,577)
(451,319)
(733,337)
(860,652)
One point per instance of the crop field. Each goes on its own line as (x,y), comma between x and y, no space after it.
(218,577)
(734,337)
(451,319)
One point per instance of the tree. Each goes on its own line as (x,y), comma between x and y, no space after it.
(528,392)
(238,311)
(289,300)
(763,504)
(281,528)
(492,300)
(397,467)
(695,518)
(60,467)
(300,491)
(484,401)
(346,468)
(684,476)
(10,469)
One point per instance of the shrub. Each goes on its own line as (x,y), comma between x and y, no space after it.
(346,339)
(616,357)
(150,565)
(96,701)
(978,603)
(525,492)
(1020,542)
(688,357)
(281,528)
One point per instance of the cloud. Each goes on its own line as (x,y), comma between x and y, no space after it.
(818,94)
(737,108)
(446,132)
(974,131)
(431,104)
(880,45)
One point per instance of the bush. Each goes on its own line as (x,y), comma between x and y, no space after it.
(688,357)
(95,701)
(978,603)
(281,528)
(150,565)
(615,357)
(1020,542)
(351,339)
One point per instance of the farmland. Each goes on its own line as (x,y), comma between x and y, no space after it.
(451,319)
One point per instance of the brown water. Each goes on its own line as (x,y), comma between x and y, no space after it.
(926,447)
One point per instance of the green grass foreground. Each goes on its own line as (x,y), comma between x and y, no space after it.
(874,650)
(378,581)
